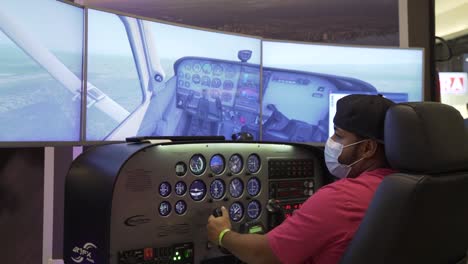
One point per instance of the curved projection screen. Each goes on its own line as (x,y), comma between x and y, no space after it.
(153,79)
(41,70)
(302,82)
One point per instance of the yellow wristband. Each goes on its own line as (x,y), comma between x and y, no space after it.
(221,235)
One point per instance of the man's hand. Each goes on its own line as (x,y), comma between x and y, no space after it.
(217,224)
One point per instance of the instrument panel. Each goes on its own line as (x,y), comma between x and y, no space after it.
(193,179)
(162,196)
(233,83)
(231,185)
(217,97)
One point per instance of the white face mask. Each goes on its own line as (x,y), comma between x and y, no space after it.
(333,151)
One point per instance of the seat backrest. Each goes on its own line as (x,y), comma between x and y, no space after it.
(419,215)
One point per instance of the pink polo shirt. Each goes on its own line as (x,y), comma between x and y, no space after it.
(321,230)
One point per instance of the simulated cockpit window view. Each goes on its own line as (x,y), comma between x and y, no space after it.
(40,71)
(155,79)
(148,81)
(302,82)
(147,78)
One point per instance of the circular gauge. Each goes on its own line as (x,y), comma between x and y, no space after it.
(235,163)
(217,188)
(197,190)
(228,85)
(253,209)
(253,163)
(164,189)
(217,164)
(236,211)
(216,83)
(236,187)
(181,83)
(206,81)
(197,67)
(217,69)
(253,186)
(180,188)
(197,164)
(188,67)
(180,207)
(164,208)
(206,68)
(180,168)
(196,79)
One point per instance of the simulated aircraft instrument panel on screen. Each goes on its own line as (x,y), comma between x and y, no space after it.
(148,203)
(219,96)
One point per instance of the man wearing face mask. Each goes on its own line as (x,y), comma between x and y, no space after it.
(321,230)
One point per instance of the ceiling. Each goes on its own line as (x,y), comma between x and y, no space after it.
(451,18)
(451,15)
(216,11)
(308,20)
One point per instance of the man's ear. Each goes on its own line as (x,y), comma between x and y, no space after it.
(369,148)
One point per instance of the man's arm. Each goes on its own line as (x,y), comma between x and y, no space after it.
(250,248)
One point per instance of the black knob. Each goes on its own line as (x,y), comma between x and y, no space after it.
(217,212)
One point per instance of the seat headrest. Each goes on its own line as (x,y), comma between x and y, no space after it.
(426,137)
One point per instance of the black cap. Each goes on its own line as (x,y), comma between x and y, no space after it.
(363,115)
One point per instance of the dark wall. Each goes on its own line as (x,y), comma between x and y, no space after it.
(21,205)
(421,31)
(63,157)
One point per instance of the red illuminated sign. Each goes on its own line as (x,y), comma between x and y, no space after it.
(453,82)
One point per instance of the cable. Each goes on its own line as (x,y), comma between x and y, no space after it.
(444,43)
